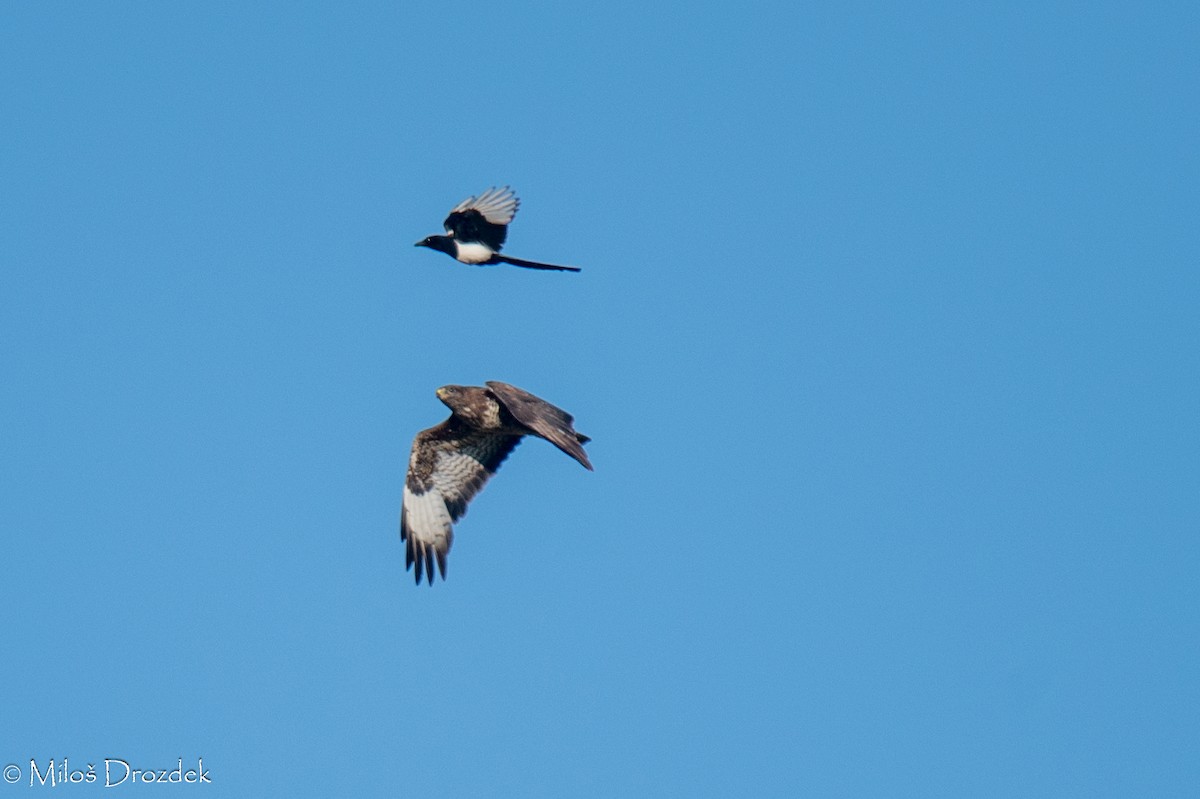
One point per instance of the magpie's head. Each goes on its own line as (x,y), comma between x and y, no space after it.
(440,243)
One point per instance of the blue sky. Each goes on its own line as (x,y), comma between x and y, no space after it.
(886,337)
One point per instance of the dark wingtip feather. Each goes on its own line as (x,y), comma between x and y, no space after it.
(576,450)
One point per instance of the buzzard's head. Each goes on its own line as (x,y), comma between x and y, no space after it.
(472,404)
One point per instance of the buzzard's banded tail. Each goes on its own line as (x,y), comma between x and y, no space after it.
(504,259)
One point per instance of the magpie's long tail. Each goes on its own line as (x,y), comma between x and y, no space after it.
(504,259)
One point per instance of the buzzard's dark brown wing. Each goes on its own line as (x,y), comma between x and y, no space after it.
(543,419)
(448,466)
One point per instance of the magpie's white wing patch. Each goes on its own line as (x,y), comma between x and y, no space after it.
(498,205)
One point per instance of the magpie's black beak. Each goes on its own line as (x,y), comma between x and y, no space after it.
(421,243)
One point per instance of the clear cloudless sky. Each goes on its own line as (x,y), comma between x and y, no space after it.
(887,338)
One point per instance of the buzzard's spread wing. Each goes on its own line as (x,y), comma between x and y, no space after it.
(543,419)
(484,218)
(448,466)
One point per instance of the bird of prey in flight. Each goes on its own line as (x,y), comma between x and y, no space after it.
(451,462)
(478,227)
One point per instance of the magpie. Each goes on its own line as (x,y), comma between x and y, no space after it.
(478,227)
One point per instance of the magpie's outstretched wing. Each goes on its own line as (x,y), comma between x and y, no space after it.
(484,218)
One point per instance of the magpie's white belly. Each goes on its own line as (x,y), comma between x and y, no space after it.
(473,252)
